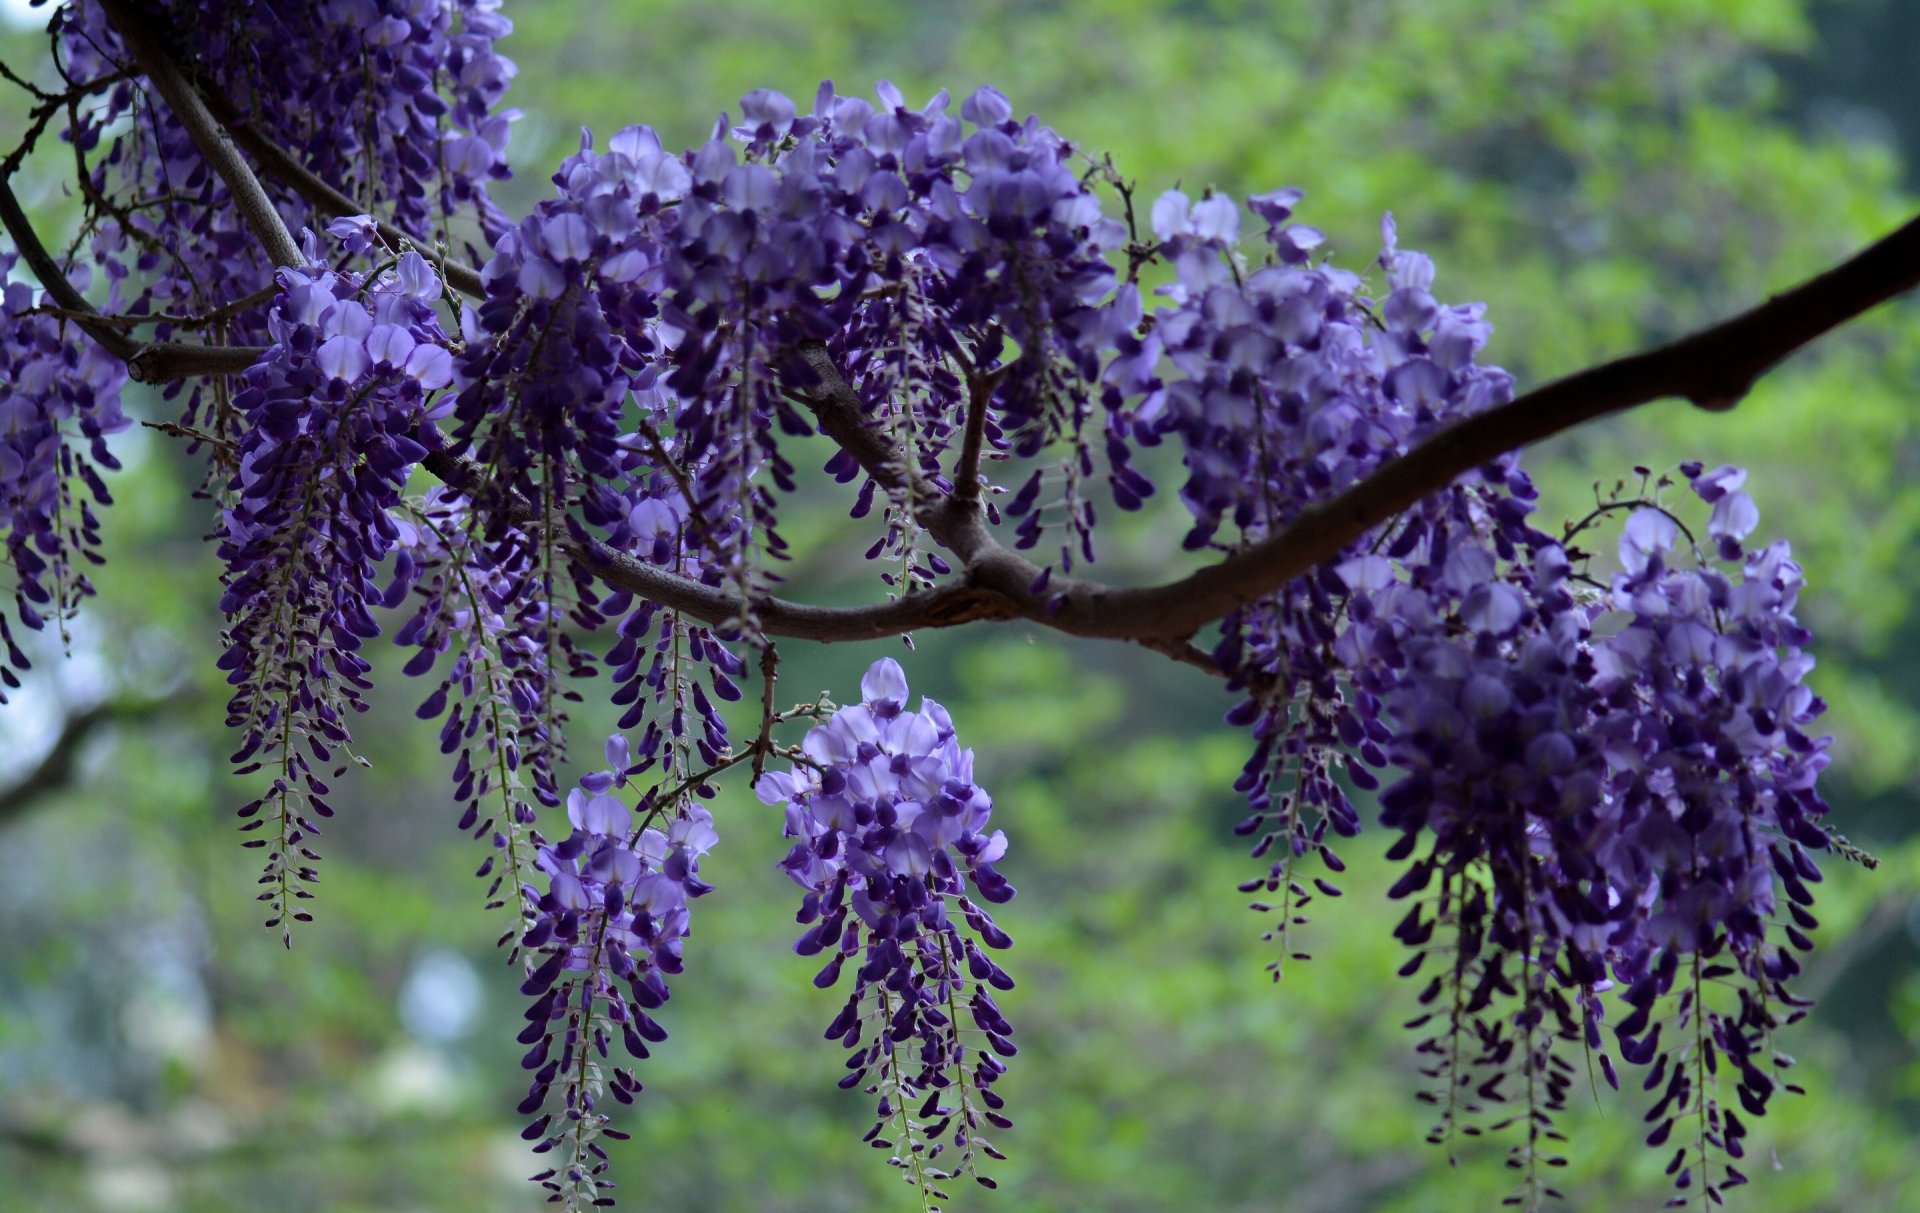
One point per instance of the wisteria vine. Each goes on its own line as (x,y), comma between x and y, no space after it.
(1599,768)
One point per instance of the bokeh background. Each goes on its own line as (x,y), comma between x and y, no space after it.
(1603,174)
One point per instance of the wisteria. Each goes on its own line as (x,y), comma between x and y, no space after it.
(333,415)
(607,931)
(393,103)
(561,471)
(469,605)
(892,851)
(59,402)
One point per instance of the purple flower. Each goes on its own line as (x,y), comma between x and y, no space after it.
(892,849)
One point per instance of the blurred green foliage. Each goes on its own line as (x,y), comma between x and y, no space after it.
(1603,174)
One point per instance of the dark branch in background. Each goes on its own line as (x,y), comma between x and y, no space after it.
(56,770)
(1714,368)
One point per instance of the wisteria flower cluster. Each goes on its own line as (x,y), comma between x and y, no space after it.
(334,415)
(1601,777)
(693,284)
(394,103)
(608,929)
(892,852)
(1595,789)
(59,400)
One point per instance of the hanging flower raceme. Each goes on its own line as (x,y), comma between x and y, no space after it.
(608,929)
(892,850)
(1593,788)
(1599,790)
(395,103)
(59,400)
(468,604)
(922,258)
(1294,381)
(337,414)
(1714,813)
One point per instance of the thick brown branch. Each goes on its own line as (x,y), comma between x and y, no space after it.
(1713,368)
(837,410)
(249,197)
(1003,579)
(164,361)
(957,524)
(947,607)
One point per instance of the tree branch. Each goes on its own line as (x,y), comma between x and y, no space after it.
(329,201)
(164,361)
(1713,368)
(946,607)
(54,281)
(966,473)
(56,769)
(147,362)
(208,135)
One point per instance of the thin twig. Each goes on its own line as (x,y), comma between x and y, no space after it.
(196,320)
(966,473)
(149,362)
(174,430)
(769,675)
(54,281)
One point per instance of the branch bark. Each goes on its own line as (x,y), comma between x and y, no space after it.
(208,135)
(329,201)
(945,607)
(54,281)
(147,362)
(1713,368)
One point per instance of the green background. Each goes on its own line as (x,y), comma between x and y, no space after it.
(1604,175)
